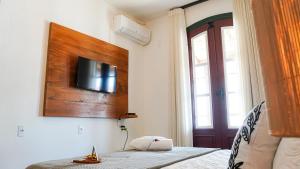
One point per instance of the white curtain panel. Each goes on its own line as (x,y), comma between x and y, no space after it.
(182,130)
(253,88)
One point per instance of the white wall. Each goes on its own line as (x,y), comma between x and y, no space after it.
(155,118)
(206,9)
(23,44)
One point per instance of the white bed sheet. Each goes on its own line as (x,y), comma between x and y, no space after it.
(131,159)
(216,160)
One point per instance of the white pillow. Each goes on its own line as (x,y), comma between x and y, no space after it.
(153,143)
(253,147)
(288,154)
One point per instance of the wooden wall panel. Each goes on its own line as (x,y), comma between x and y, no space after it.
(278,32)
(62,98)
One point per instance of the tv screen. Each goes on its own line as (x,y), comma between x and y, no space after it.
(96,76)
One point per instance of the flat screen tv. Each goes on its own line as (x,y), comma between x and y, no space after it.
(96,76)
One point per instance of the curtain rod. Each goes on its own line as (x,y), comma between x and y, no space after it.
(192,4)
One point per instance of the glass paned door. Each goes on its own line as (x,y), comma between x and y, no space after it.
(202,86)
(216,81)
(234,98)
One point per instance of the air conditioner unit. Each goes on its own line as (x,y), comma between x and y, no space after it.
(132,30)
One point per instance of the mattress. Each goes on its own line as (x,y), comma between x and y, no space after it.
(215,160)
(132,159)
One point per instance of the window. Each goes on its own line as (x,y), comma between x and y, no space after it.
(235,112)
(216,83)
(202,81)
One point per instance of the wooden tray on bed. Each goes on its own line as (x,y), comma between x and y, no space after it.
(86,161)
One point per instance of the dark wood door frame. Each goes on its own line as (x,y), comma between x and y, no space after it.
(220,135)
(229,133)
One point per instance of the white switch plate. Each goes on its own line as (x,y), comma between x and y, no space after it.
(20,131)
(80,130)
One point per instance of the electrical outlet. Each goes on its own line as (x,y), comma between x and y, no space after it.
(121,122)
(20,131)
(80,130)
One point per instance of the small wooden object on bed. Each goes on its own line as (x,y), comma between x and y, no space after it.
(90,159)
(87,161)
(62,98)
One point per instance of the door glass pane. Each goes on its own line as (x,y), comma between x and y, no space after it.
(202,80)
(203,106)
(203,112)
(233,107)
(200,48)
(235,111)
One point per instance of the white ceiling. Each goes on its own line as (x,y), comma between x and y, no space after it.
(147,9)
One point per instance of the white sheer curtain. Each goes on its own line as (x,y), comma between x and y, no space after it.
(180,81)
(253,88)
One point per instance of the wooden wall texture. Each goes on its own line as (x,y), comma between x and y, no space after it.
(62,98)
(277,25)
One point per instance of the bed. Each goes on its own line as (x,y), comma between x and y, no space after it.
(177,158)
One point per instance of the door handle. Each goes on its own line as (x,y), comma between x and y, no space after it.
(221,92)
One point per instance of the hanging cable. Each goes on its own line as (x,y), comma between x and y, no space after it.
(123,128)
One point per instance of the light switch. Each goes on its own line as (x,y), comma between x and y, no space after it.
(20,131)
